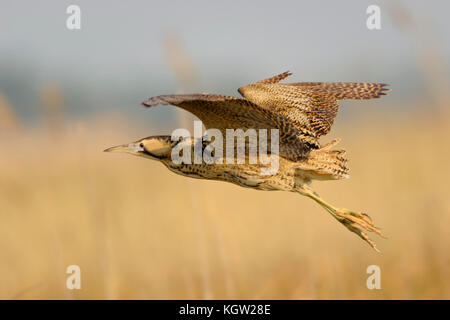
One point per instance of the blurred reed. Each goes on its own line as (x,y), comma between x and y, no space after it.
(185,72)
(8,119)
(130,224)
(52,101)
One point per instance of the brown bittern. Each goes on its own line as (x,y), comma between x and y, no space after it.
(302,112)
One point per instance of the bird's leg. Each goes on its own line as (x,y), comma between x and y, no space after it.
(356,222)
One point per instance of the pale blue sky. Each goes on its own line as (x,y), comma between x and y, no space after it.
(119,48)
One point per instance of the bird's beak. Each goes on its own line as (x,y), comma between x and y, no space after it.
(127,148)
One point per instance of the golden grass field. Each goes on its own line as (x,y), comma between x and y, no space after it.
(139,231)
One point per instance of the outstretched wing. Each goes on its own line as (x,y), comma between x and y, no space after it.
(311,112)
(346,90)
(224,112)
(310,106)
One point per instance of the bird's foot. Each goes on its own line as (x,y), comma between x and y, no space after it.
(359,223)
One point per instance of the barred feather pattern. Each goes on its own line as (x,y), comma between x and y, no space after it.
(346,90)
(325,164)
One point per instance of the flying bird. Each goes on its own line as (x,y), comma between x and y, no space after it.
(301,111)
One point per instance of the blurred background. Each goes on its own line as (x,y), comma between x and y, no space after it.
(138,231)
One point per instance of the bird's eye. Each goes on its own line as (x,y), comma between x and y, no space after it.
(141,145)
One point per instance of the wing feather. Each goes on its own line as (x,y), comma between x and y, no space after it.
(346,90)
(277,78)
(310,106)
(225,112)
(310,111)
(302,111)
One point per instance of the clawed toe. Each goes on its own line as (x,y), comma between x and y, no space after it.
(359,223)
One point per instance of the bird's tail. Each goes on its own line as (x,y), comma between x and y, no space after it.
(325,163)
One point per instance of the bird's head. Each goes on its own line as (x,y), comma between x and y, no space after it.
(155,147)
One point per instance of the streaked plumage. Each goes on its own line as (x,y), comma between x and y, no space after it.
(302,112)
